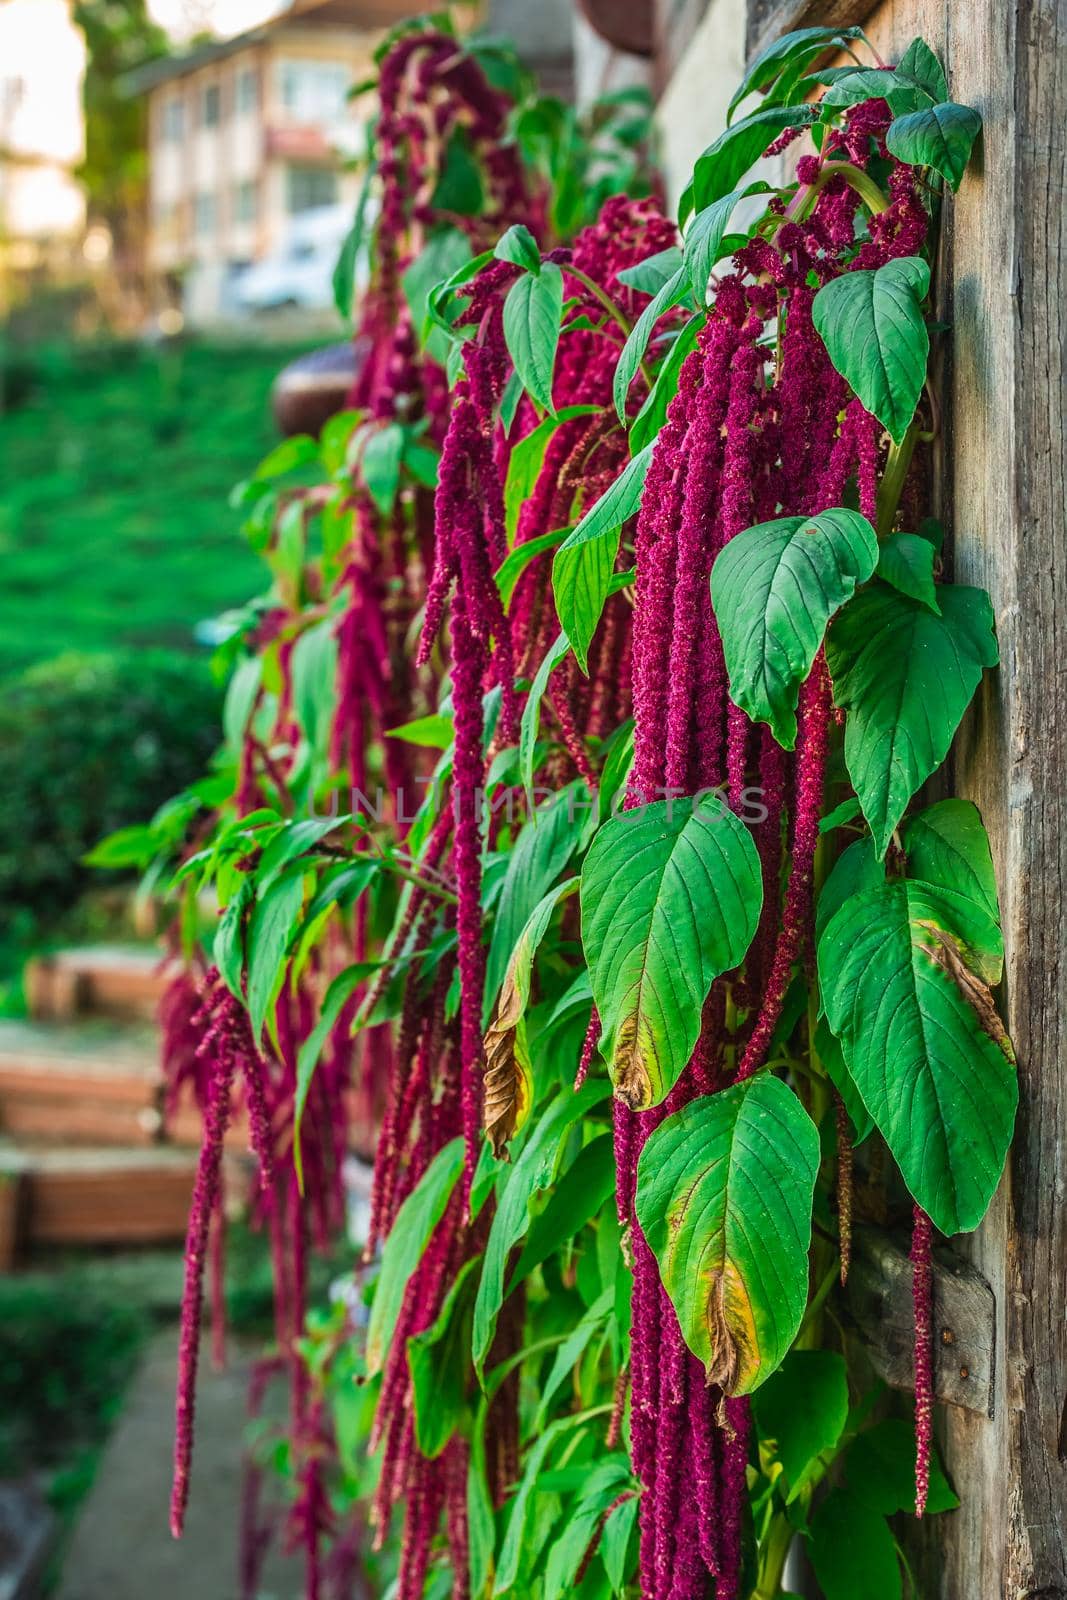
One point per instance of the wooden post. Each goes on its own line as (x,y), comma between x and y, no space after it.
(1003,491)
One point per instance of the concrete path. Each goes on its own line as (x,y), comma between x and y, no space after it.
(121,1548)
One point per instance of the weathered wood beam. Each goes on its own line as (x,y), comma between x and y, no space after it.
(880,1304)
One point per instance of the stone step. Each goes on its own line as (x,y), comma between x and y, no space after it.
(122,981)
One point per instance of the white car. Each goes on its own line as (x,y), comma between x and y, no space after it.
(300,271)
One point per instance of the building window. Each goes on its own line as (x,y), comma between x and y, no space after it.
(247,92)
(173,119)
(244,201)
(211,106)
(206,215)
(308,187)
(314,91)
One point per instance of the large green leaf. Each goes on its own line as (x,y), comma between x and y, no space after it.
(439,1363)
(671,894)
(534,1169)
(530,725)
(539,855)
(872,326)
(633,351)
(906,560)
(508,1078)
(415,1222)
(880,1467)
(274,920)
(803,1408)
(947,845)
(852,1550)
(940,136)
(525,463)
(724,1193)
(704,237)
(531,329)
(585,562)
(905,676)
(726,161)
(922,1044)
(802,45)
(774,589)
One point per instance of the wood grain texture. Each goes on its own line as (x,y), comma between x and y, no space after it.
(1003,492)
(879,1302)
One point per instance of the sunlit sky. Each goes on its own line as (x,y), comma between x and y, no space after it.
(184,17)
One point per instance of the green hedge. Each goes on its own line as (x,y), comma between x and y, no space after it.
(89,744)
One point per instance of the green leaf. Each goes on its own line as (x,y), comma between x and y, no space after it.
(517,560)
(829,1053)
(846,812)
(671,895)
(939,136)
(724,1195)
(530,726)
(650,275)
(905,678)
(337,995)
(517,1534)
(415,1223)
(519,247)
(704,236)
(534,1170)
(133,846)
(443,254)
(584,1188)
(290,841)
(871,323)
(921,65)
(273,921)
(438,1360)
(571,1351)
(947,845)
(649,420)
(228,946)
(344,272)
(314,679)
(774,589)
(507,1075)
(857,868)
(526,461)
(852,1550)
(380,465)
(601,1485)
(880,1466)
(922,1044)
(433,732)
(902,94)
(906,560)
(726,161)
(300,450)
(633,351)
(615,1542)
(582,570)
(459,185)
(531,329)
(802,45)
(803,1408)
(539,855)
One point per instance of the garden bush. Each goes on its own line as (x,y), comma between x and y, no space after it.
(89,744)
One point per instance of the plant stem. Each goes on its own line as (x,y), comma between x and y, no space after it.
(611,308)
(774,1552)
(896,471)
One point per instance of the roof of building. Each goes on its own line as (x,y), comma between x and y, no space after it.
(362,15)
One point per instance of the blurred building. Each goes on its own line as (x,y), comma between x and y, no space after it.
(42,134)
(250,138)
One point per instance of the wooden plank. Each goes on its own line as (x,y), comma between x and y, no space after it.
(879,1301)
(1003,286)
